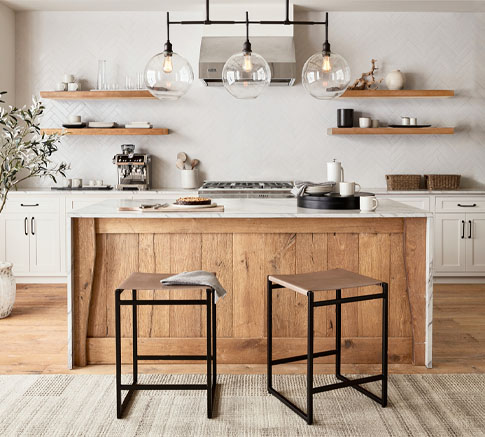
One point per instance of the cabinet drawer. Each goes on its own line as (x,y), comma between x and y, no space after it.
(32,205)
(460,204)
(421,202)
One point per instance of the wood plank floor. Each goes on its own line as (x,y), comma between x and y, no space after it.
(34,338)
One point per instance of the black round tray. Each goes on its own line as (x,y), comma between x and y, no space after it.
(331,201)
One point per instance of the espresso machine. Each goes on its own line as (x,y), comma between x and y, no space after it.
(134,169)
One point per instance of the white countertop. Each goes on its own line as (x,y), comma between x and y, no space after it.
(249,208)
(178,192)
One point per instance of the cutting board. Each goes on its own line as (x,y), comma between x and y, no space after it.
(170,208)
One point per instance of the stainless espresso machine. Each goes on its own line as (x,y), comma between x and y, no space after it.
(134,169)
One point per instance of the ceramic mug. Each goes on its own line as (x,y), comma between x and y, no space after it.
(72,86)
(99,182)
(405,121)
(77,183)
(368,203)
(365,122)
(68,78)
(92,182)
(74,119)
(413,121)
(61,86)
(348,188)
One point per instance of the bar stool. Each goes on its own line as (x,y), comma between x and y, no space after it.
(307,284)
(151,281)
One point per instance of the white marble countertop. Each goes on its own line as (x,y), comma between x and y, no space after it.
(177,192)
(249,208)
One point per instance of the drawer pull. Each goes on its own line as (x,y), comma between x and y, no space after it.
(467,206)
(25,226)
(462,229)
(32,221)
(35,204)
(470,231)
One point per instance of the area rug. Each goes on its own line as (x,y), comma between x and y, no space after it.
(84,405)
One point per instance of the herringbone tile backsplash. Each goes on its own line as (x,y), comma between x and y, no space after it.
(282,134)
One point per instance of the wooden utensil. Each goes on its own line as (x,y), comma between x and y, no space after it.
(182,156)
(180,164)
(195,163)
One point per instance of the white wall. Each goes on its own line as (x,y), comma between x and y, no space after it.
(282,134)
(7,53)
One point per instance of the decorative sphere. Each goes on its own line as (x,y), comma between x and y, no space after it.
(168,77)
(245,76)
(326,77)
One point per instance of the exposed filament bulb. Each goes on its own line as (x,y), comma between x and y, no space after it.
(248,63)
(326,66)
(167,64)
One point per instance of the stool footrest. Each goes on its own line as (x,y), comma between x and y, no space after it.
(364,391)
(163,387)
(163,302)
(348,383)
(302,357)
(288,403)
(324,303)
(172,357)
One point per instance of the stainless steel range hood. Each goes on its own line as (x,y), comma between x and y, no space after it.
(279,52)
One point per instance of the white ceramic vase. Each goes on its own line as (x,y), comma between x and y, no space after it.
(395,80)
(7,289)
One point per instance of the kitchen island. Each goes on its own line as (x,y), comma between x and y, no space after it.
(251,239)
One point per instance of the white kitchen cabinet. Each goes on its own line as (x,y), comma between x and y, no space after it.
(17,242)
(460,243)
(475,243)
(45,244)
(31,235)
(450,243)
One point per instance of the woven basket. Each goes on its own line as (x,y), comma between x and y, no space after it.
(442,181)
(401,182)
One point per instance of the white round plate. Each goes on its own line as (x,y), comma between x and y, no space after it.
(318,189)
(212,205)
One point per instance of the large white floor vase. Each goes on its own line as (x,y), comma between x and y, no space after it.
(7,289)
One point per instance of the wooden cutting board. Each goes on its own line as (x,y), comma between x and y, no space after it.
(171,208)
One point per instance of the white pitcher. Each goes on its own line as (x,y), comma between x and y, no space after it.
(335,172)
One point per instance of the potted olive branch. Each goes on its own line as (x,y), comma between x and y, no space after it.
(24,153)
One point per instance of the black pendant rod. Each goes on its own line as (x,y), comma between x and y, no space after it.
(286,21)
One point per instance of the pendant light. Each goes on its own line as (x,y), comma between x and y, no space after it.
(326,75)
(168,75)
(245,75)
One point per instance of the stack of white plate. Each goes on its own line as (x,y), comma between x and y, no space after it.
(101,124)
(318,189)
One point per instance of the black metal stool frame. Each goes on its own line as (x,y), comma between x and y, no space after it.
(210,357)
(311,355)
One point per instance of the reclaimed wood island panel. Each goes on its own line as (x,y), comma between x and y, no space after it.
(243,252)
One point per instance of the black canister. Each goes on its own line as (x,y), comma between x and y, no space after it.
(345,118)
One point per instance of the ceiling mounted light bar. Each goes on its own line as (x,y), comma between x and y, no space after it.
(325,75)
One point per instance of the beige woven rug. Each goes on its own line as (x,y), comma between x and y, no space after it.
(84,405)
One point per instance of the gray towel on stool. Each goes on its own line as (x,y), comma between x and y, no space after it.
(197,277)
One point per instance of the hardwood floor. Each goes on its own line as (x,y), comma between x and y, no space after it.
(34,338)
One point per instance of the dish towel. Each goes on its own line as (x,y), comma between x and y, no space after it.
(197,277)
(300,186)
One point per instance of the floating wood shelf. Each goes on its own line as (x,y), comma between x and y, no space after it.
(397,94)
(96,95)
(391,131)
(108,131)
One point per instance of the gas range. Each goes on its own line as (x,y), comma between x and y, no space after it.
(241,189)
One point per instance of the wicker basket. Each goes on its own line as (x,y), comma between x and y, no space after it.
(442,181)
(401,182)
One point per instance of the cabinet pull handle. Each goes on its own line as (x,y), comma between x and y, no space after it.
(25,226)
(462,229)
(31,205)
(32,225)
(467,206)
(470,231)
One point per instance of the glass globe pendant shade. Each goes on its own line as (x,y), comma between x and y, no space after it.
(326,76)
(168,76)
(246,75)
